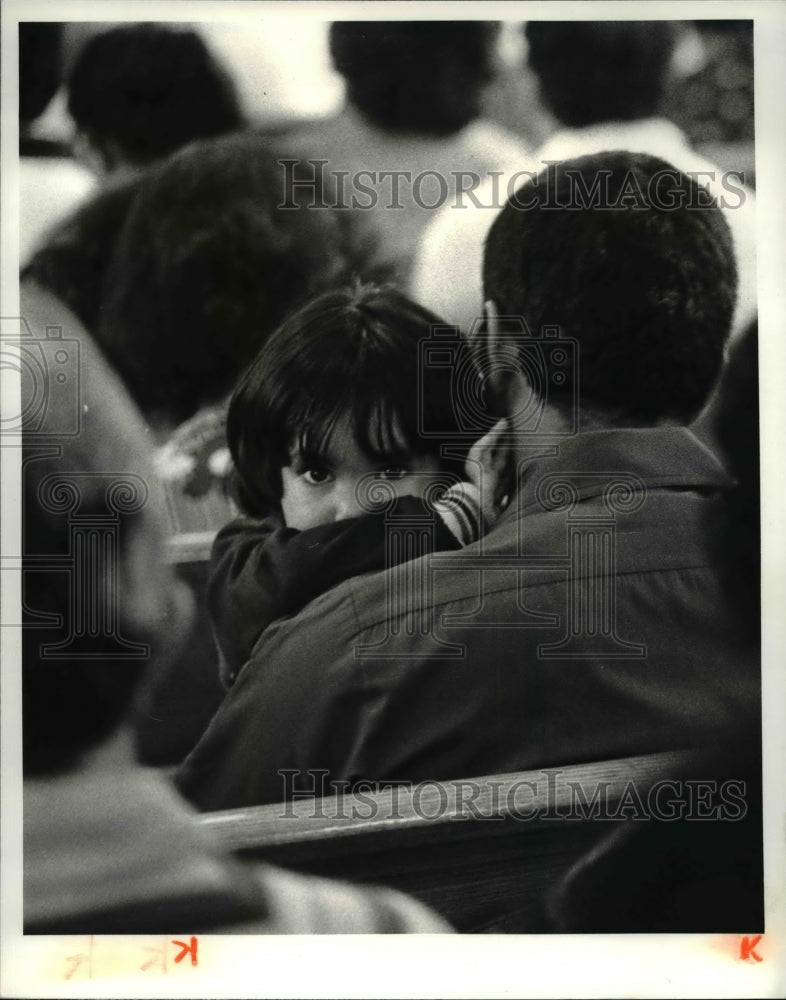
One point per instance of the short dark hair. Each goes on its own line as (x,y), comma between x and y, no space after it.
(591,71)
(646,289)
(414,76)
(205,268)
(351,351)
(151,89)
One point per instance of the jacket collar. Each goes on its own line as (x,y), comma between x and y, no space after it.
(658,458)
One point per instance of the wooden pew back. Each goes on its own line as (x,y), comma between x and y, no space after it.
(484,852)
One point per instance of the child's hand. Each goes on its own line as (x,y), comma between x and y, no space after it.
(488,466)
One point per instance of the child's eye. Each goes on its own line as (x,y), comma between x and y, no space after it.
(316,476)
(392,472)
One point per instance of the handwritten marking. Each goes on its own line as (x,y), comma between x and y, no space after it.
(158,953)
(155,957)
(187,949)
(82,957)
(746,948)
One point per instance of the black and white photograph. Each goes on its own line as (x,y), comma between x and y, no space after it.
(391,499)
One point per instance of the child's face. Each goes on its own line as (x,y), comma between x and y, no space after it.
(323,491)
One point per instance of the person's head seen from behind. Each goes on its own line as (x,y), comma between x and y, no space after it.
(641,274)
(139,92)
(416,77)
(601,71)
(205,267)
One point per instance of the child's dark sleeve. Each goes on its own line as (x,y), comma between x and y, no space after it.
(261,571)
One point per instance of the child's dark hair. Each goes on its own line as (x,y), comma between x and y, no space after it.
(352,351)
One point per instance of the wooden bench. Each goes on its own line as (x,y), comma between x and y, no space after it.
(485,853)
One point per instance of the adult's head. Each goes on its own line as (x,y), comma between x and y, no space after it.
(634,261)
(141,91)
(206,266)
(414,76)
(92,541)
(592,71)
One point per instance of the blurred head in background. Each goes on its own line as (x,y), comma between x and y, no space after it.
(591,71)
(40,67)
(415,76)
(88,596)
(141,91)
(72,704)
(205,267)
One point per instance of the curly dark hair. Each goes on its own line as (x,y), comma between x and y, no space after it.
(645,280)
(206,266)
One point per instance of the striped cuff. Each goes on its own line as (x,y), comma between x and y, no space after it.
(459,507)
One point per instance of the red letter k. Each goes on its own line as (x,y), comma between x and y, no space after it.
(191,949)
(746,948)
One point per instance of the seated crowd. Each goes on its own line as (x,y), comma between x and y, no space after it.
(467,485)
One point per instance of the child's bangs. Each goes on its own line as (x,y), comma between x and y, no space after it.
(381,431)
(314,419)
(378,429)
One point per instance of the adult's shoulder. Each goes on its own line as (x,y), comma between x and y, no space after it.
(326,626)
(492,142)
(296,705)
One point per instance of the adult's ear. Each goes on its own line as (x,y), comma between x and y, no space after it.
(502,364)
(496,374)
